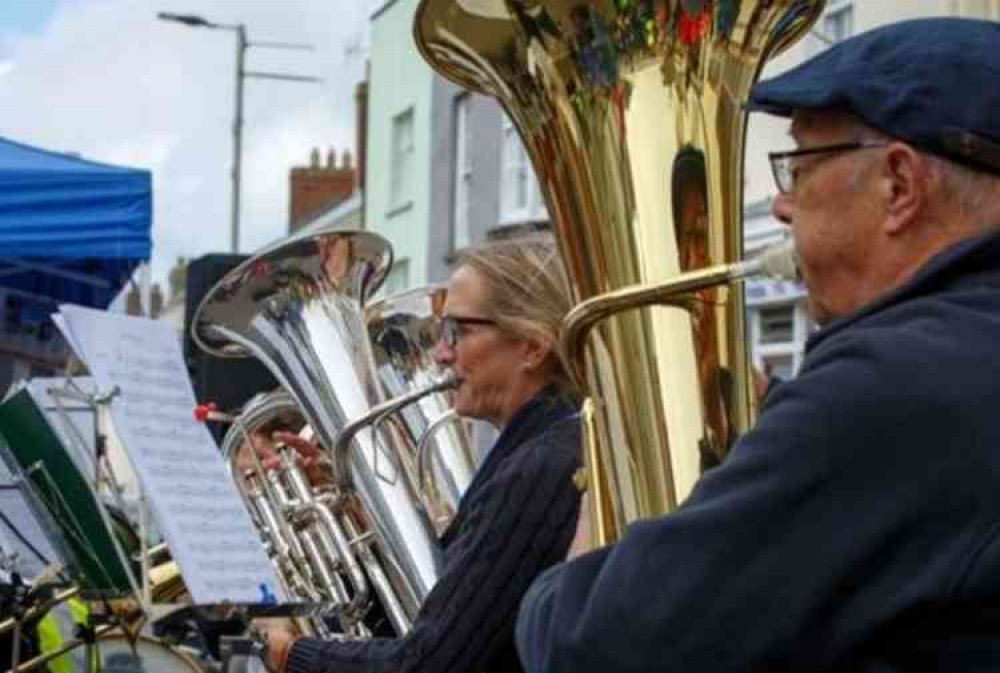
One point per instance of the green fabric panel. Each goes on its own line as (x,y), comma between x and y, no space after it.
(66,496)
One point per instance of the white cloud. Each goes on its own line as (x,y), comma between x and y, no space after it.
(108,80)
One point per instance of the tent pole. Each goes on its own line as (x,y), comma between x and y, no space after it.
(146,290)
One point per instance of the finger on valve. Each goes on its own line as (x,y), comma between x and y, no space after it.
(311,456)
(266,452)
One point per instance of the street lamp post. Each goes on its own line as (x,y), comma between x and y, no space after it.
(242,44)
(241,50)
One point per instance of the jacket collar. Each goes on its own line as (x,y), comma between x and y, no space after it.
(969,262)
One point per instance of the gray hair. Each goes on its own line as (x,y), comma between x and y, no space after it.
(975,193)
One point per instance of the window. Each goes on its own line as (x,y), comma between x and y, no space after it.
(398,278)
(401,176)
(520,197)
(777,324)
(462,175)
(838,22)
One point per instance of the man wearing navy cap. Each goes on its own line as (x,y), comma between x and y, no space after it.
(857,527)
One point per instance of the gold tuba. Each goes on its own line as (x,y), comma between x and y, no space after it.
(631,112)
(298,307)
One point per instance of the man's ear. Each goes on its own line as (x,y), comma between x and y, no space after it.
(904,186)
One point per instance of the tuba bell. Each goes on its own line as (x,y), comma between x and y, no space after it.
(632,115)
(298,307)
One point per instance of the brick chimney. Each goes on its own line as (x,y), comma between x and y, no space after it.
(315,188)
(133,303)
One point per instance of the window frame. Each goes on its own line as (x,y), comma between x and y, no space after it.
(461,233)
(838,11)
(516,169)
(402,158)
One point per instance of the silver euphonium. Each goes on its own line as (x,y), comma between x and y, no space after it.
(439,459)
(298,307)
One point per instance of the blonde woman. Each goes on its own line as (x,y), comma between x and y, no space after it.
(499,334)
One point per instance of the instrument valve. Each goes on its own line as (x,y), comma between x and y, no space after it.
(330,498)
(362,540)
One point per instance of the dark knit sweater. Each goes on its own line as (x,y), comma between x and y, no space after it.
(517,518)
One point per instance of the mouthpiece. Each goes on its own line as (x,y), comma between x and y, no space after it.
(777,261)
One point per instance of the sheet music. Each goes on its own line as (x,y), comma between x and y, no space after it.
(60,323)
(181,470)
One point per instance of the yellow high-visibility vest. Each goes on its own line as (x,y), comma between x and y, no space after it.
(62,619)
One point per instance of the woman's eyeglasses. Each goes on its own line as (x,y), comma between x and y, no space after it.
(448,327)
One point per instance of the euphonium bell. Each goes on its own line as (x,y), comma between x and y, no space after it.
(631,112)
(298,307)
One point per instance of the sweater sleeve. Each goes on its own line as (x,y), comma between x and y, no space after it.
(519,523)
(786,556)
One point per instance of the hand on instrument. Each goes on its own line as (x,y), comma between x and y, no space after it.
(267,452)
(311,457)
(308,454)
(583,541)
(278,636)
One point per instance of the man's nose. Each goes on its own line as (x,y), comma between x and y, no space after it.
(781,208)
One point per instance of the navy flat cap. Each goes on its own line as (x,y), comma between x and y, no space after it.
(933,83)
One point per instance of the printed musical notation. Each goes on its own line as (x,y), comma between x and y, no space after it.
(179,467)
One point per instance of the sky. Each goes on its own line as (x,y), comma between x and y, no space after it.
(107,80)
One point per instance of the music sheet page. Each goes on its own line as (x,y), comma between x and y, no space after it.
(181,471)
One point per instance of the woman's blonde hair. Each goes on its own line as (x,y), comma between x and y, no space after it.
(527,290)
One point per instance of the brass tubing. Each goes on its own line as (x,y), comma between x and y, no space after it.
(425,475)
(578,322)
(341,473)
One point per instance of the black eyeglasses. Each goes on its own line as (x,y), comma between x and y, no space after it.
(448,327)
(786,173)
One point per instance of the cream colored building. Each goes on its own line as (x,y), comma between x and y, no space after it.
(778,323)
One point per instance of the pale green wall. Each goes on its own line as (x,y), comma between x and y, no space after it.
(399,79)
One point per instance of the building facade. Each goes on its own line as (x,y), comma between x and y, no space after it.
(483,183)
(398,164)
(463,159)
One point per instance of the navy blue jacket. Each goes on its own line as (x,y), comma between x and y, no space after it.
(516,519)
(855,528)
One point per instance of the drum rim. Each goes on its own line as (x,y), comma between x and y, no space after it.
(188,660)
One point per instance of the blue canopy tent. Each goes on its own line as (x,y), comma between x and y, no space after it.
(70,230)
